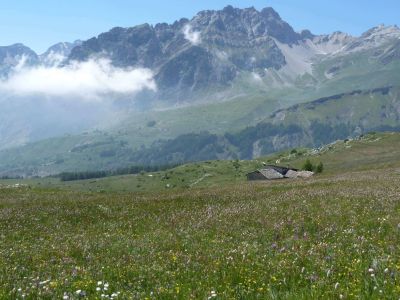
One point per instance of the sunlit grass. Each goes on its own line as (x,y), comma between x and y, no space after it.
(328,237)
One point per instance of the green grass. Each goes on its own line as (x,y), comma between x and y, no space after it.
(333,236)
(301,239)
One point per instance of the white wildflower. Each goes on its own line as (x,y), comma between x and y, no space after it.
(328,273)
(213,294)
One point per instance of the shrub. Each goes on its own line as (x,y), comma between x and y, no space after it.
(319,168)
(308,166)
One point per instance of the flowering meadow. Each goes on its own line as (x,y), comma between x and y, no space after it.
(329,237)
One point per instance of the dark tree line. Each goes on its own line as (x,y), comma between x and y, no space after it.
(70,176)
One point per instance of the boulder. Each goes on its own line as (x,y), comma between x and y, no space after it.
(305,174)
(292,174)
(299,174)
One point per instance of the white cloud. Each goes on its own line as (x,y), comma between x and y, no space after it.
(193,37)
(256,77)
(89,80)
(54,59)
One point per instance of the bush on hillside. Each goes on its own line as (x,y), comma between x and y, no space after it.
(308,166)
(320,168)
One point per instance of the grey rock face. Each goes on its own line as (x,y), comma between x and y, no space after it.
(373,38)
(391,53)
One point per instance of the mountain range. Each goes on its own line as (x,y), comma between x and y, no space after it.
(232,83)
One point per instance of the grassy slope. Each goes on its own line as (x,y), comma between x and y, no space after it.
(320,238)
(378,151)
(216,118)
(373,151)
(370,110)
(361,70)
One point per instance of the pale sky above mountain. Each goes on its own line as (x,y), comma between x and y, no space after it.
(39,24)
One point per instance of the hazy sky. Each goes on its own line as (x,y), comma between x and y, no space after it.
(41,23)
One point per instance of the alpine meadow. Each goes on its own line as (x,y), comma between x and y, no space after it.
(222,156)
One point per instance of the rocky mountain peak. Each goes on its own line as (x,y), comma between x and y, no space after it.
(306,34)
(57,53)
(374,37)
(247,21)
(229,10)
(12,55)
(16,49)
(270,14)
(382,31)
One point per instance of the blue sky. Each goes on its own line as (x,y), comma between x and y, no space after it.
(39,24)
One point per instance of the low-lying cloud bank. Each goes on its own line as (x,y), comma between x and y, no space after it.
(91,80)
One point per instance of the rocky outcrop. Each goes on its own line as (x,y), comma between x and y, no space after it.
(299,174)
